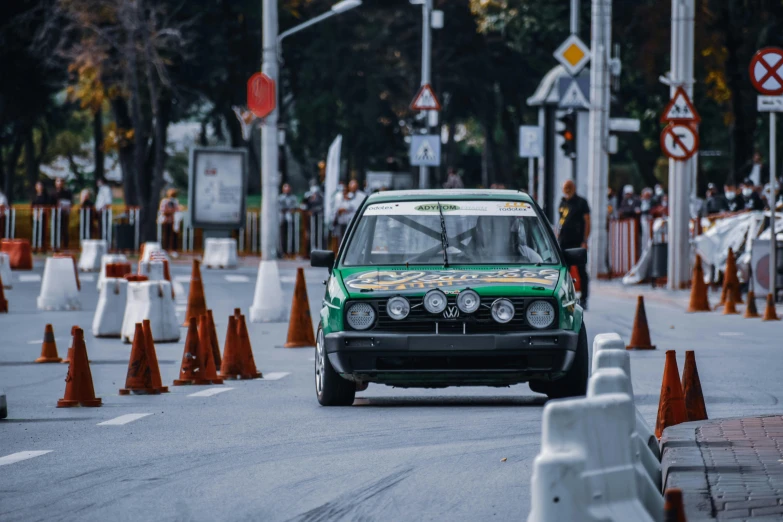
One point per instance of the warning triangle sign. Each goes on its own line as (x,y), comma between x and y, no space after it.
(680,108)
(574,98)
(425,99)
(425,152)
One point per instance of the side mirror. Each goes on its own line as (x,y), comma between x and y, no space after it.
(322,259)
(574,256)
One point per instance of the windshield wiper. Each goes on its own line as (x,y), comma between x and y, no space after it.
(444,238)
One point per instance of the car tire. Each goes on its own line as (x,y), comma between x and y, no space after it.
(574,383)
(330,388)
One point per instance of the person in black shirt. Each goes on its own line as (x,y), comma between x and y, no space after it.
(715,203)
(750,197)
(62,200)
(733,203)
(574,230)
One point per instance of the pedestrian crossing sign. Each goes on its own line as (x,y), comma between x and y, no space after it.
(425,150)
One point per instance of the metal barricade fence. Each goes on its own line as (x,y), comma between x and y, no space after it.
(624,245)
(8,223)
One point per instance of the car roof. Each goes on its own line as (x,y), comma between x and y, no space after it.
(452,194)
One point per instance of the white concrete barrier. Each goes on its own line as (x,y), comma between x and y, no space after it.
(108,259)
(269,304)
(110,312)
(151,300)
(59,290)
(152,269)
(585,469)
(93,251)
(220,253)
(5,270)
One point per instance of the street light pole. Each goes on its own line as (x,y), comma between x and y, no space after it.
(426,73)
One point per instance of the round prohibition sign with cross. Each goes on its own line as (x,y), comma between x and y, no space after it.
(766,71)
(679,141)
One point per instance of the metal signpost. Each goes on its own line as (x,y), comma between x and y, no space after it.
(766,75)
(531,146)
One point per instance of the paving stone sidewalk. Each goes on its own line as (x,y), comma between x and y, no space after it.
(728,469)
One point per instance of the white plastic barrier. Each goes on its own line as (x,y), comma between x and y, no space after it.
(269,305)
(58,286)
(152,269)
(93,251)
(110,312)
(648,469)
(585,469)
(151,300)
(220,253)
(109,259)
(5,270)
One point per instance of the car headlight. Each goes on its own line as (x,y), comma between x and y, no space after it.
(540,314)
(360,316)
(502,310)
(435,301)
(468,301)
(398,308)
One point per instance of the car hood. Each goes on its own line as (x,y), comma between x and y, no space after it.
(486,280)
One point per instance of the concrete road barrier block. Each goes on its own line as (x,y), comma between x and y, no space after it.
(92,252)
(151,300)
(220,253)
(105,260)
(585,469)
(5,270)
(110,312)
(20,252)
(269,304)
(153,270)
(59,290)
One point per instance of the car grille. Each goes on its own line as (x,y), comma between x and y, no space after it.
(421,321)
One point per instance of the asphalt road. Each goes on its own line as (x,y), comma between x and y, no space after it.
(265,450)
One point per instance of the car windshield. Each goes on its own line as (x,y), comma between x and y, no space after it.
(476,232)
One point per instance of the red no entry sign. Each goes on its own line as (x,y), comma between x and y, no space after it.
(766,71)
(261,99)
(679,141)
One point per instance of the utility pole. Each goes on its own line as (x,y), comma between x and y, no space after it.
(680,172)
(269,138)
(575,17)
(773,181)
(598,137)
(426,74)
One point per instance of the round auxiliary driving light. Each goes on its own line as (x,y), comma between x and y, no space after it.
(398,308)
(360,316)
(435,301)
(540,314)
(468,301)
(502,310)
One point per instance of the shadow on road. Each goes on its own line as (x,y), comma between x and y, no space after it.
(450,402)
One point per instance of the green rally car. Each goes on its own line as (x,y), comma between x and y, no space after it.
(439,288)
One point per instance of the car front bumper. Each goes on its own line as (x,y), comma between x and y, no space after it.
(426,360)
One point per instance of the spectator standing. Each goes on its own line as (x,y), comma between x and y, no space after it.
(169,206)
(314,204)
(629,206)
(751,199)
(40,205)
(286,204)
(716,202)
(63,198)
(453,180)
(41,197)
(103,203)
(574,230)
(657,195)
(756,170)
(85,205)
(733,203)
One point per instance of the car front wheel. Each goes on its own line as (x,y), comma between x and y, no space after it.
(330,388)
(574,383)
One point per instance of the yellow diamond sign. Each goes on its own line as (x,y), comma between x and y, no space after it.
(573,54)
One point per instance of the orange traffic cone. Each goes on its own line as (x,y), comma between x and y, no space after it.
(3,300)
(236,362)
(770,314)
(209,372)
(237,313)
(730,278)
(673,509)
(213,339)
(251,371)
(300,326)
(190,371)
(69,353)
(152,357)
(751,311)
(78,383)
(695,408)
(640,335)
(671,408)
(49,347)
(729,307)
(139,378)
(197,304)
(699,300)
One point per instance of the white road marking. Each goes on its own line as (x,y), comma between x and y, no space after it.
(182,278)
(123,419)
(22,455)
(287,279)
(234,278)
(29,278)
(180,308)
(87,277)
(275,376)
(209,392)
(730,334)
(57,339)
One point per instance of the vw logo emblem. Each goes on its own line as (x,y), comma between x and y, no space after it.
(452,312)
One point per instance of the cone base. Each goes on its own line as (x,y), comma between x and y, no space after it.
(641,347)
(753,315)
(87,403)
(305,344)
(241,377)
(140,391)
(197,382)
(185,382)
(49,360)
(697,310)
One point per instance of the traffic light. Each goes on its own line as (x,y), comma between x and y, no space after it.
(568,133)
